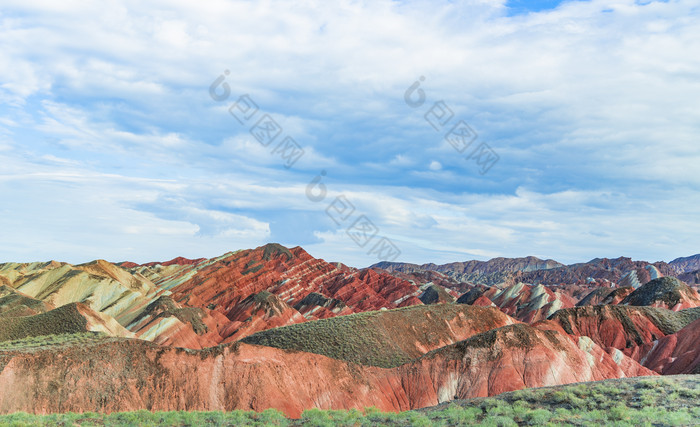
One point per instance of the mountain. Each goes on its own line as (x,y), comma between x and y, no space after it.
(686,264)
(204,302)
(632,330)
(667,292)
(274,327)
(129,299)
(291,274)
(602,270)
(677,353)
(62,377)
(494,271)
(67,319)
(524,302)
(385,338)
(501,272)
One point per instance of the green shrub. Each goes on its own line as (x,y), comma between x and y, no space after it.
(272,417)
(538,416)
(317,418)
(619,412)
(498,421)
(418,419)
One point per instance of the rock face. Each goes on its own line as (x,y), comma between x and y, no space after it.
(243,376)
(524,302)
(496,270)
(204,302)
(434,294)
(629,329)
(274,327)
(686,264)
(678,353)
(666,292)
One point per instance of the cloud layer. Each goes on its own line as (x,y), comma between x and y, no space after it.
(111,146)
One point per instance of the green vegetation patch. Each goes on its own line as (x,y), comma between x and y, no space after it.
(378,338)
(52,341)
(667,289)
(63,320)
(610,402)
(273,250)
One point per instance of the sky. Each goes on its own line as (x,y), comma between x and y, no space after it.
(413,131)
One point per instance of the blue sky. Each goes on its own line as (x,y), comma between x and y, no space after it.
(112,147)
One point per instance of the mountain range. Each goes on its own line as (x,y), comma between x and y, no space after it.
(274,327)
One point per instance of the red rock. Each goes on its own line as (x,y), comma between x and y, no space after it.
(259,312)
(291,275)
(140,375)
(482,301)
(617,295)
(528,303)
(629,329)
(678,353)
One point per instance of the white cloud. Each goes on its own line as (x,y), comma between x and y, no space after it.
(591,108)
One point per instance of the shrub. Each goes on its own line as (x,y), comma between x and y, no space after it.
(316,417)
(272,417)
(499,421)
(619,412)
(417,419)
(456,415)
(538,416)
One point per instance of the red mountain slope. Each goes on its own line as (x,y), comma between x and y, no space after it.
(291,275)
(629,329)
(243,376)
(678,353)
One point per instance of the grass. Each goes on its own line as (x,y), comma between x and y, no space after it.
(674,402)
(379,338)
(43,341)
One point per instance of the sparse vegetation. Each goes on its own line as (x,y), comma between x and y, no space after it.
(45,341)
(377,338)
(63,320)
(674,404)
